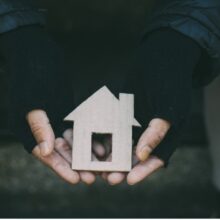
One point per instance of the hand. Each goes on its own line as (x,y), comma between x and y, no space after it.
(54,152)
(143,163)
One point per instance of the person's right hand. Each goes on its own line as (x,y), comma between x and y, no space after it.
(54,152)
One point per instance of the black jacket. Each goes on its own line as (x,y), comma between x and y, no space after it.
(17,13)
(199,20)
(196,19)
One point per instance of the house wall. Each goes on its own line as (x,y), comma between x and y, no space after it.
(121,148)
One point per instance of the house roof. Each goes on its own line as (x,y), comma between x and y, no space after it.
(102,94)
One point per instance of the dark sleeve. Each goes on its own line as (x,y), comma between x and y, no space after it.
(162,83)
(19,13)
(198,20)
(38,79)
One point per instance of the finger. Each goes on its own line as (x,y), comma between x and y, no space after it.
(150,139)
(59,165)
(144,169)
(98,149)
(42,131)
(87,177)
(115,178)
(63,148)
(68,136)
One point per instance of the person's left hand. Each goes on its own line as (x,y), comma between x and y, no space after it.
(144,164)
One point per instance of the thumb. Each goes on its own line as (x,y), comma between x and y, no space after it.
(42,131)
(151,138)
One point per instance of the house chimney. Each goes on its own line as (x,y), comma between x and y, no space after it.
(127,107)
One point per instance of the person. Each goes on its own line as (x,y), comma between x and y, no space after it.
(179,49)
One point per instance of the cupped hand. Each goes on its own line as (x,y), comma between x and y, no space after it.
(144,164)
(54,152)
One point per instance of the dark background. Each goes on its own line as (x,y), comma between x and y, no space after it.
(101,36)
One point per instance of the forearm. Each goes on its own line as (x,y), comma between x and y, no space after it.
(165,63)
(36,68)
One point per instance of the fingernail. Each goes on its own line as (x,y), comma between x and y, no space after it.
(130,183)
(75,178)
(111,183)
(44,148)
(130,180)
(144,153)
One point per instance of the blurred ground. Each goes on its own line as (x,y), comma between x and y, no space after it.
(183,190)
(101,37)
